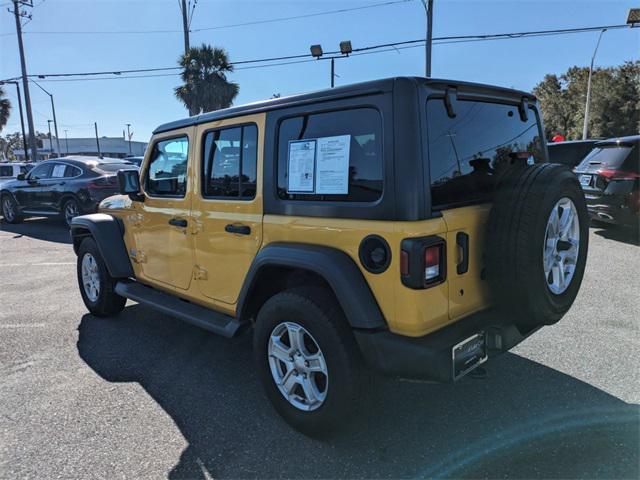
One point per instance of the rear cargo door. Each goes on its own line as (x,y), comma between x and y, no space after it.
(470,144)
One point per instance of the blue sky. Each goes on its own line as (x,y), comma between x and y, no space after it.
(147,102)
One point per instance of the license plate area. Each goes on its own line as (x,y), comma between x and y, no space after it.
(585,180)
(468,354)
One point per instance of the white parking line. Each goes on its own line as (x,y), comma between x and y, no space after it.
(22,325)
(43,264)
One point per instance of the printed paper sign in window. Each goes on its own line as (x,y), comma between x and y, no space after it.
(332,170)
(58,171)
(302,159)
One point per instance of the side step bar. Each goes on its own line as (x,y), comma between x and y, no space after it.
(189,312)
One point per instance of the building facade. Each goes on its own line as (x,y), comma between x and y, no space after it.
(116,147)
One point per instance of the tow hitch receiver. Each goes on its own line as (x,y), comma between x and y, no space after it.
(469,354)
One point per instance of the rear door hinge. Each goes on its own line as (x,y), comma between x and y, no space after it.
(138,255)
(199,273)
(198,227)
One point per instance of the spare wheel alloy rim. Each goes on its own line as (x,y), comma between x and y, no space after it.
(561,246)
(298,366)
(90,277)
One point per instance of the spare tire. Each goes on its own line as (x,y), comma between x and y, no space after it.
(537,240)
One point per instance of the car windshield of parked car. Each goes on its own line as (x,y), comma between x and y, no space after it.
(609,156)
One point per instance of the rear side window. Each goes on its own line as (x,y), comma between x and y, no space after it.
(612,157)
(332,156)
(6,171)
(467,152)
(167,172)
(229,163)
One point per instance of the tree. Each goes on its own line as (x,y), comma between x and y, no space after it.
(204,74)
(5,109)
(615,104)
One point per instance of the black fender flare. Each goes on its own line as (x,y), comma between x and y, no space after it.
(107,231)
(336,267)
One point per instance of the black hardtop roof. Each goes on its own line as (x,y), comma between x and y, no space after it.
(363,88)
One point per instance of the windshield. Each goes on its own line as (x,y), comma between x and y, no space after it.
(607,156)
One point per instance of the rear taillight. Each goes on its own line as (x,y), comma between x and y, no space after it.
(612,174)
(432,256)
(102,182)
(423,262)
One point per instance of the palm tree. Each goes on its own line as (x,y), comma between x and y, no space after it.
(5,108)
(204,73)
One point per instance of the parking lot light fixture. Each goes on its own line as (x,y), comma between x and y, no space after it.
(316,51)
(345,47)
(633,18)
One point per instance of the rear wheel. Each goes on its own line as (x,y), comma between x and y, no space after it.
(308,362)
(70,210)
(10,210)
(96,285)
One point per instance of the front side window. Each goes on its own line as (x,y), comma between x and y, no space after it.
(41,171)
(467,152)
(229,163)
(331,156)
(167,172)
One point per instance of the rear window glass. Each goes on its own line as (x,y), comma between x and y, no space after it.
(331,156)
(613,156)
(467,152)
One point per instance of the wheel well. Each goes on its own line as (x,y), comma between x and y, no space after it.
(65,198)
(275,279)
(78,234)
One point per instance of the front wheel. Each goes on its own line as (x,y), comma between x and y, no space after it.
(10,210)
(96,285)
(308,362)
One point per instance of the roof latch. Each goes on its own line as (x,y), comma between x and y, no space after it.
(523,109)
(450,100)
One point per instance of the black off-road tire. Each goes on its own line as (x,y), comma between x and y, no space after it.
(11,203)
(515,243)
(325,321)
(107,302)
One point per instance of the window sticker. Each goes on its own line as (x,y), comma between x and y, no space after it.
(58,171)
(302,162)
(332,169)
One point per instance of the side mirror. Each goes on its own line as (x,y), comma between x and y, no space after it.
(129,181)
(21,176)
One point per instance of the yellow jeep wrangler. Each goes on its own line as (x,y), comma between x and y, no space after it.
(410,225)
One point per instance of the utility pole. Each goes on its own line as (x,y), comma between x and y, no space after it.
(185,25)
(333,72)
(24,135)
(95,124)
(33,145)
(66,140)
(585,125)
(129,136)
(428,6)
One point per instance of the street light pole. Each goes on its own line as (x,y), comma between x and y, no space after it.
(50,139)
(66,140)
(585,126)
(129,137)
(95,124)
(428,6)
(24,136)
(55,122)
(333,72)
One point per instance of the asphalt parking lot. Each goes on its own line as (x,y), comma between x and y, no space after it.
(146,396)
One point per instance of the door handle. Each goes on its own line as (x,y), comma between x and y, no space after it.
(178,222)
(462,240)
(241,229)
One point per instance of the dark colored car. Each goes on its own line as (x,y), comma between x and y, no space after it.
(610,178)
(570,153)
(67,187)
(136,160)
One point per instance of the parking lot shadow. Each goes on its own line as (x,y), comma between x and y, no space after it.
(630,235)
(48,229)
(524,421)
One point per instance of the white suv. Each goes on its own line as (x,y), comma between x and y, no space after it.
(9,171)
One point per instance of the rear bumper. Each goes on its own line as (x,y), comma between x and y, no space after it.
(611,210)
(430,357)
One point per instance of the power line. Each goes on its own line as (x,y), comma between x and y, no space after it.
(379,48)
(218,27)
